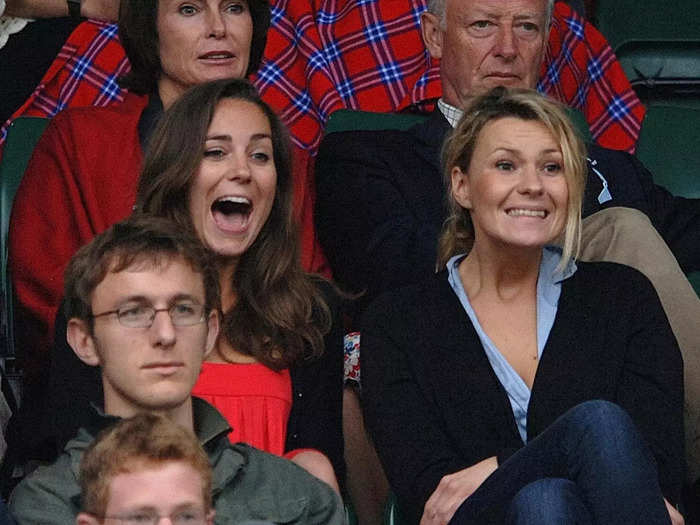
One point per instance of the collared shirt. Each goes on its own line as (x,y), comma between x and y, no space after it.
(451,113)
(548,292)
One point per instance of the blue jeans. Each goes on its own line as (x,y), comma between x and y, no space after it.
(590,466)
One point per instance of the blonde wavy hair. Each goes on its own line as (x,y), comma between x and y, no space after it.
(457,234)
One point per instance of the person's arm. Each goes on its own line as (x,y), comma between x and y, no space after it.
(405,423)
(378,211)
(46,496)
(318,416)
(651,387)
(49,223)
(101,9)
(676,218)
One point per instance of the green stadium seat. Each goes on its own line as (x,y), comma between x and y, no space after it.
(668,145)
(657,43)
(350,120)
(21,138)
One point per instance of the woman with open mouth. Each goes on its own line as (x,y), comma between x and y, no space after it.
(519,385)
(277,370)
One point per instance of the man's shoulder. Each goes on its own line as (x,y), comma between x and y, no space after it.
(362,141)
(271,488)
(50,494)
(89,118)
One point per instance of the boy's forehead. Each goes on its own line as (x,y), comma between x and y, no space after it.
(162,277)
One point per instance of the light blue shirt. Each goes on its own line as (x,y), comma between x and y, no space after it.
(548,292)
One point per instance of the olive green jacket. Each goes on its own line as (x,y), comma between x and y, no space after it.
(248,484)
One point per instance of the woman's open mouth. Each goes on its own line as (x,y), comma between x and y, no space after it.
(232,214)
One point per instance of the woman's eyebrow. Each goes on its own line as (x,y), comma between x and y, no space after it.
(219,137)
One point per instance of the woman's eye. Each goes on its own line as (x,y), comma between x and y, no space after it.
(504,165)
(214,153)
(261,156)
(236,8)
(187,10)
(552,167)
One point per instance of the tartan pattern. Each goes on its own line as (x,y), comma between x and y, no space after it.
(324,55)
(84,73)
(359,54)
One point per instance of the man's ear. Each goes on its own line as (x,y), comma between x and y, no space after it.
(461,190)
(82,342)
(86,519)
(213,324)
(432,33)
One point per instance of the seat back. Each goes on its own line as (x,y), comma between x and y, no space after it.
(352,120)
(657,42)
(22,135)
(668,145)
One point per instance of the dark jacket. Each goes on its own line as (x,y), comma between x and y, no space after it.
(380,204)
(434,405)
(248,484)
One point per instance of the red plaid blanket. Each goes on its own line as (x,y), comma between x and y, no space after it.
(323,55)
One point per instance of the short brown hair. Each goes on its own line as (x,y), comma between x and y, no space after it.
(139,36)
(140,442)
(140,238)
(458,233)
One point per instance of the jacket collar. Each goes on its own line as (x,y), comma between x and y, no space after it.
(150,115)
(431,133)
(210,427)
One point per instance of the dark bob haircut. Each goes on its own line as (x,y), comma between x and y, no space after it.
(139,36)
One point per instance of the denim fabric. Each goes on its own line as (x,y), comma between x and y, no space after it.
(549,501)
(596,446)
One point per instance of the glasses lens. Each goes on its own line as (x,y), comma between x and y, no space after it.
(185,314)
(135,316)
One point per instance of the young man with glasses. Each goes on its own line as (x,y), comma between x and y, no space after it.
(142,302)
(143,469)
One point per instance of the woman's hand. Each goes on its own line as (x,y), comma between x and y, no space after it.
(453,489)
(676,518)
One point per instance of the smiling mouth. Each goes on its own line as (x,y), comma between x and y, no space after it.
(232,214)
(520,212)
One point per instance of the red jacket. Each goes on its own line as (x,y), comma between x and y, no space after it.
(81,178)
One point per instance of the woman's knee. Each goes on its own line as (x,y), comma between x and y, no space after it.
(604,433)
(599,419)
(548,501)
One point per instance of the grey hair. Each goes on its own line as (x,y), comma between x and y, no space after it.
(437,8)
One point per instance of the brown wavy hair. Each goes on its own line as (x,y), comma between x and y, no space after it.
(279,311)
(457,234)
